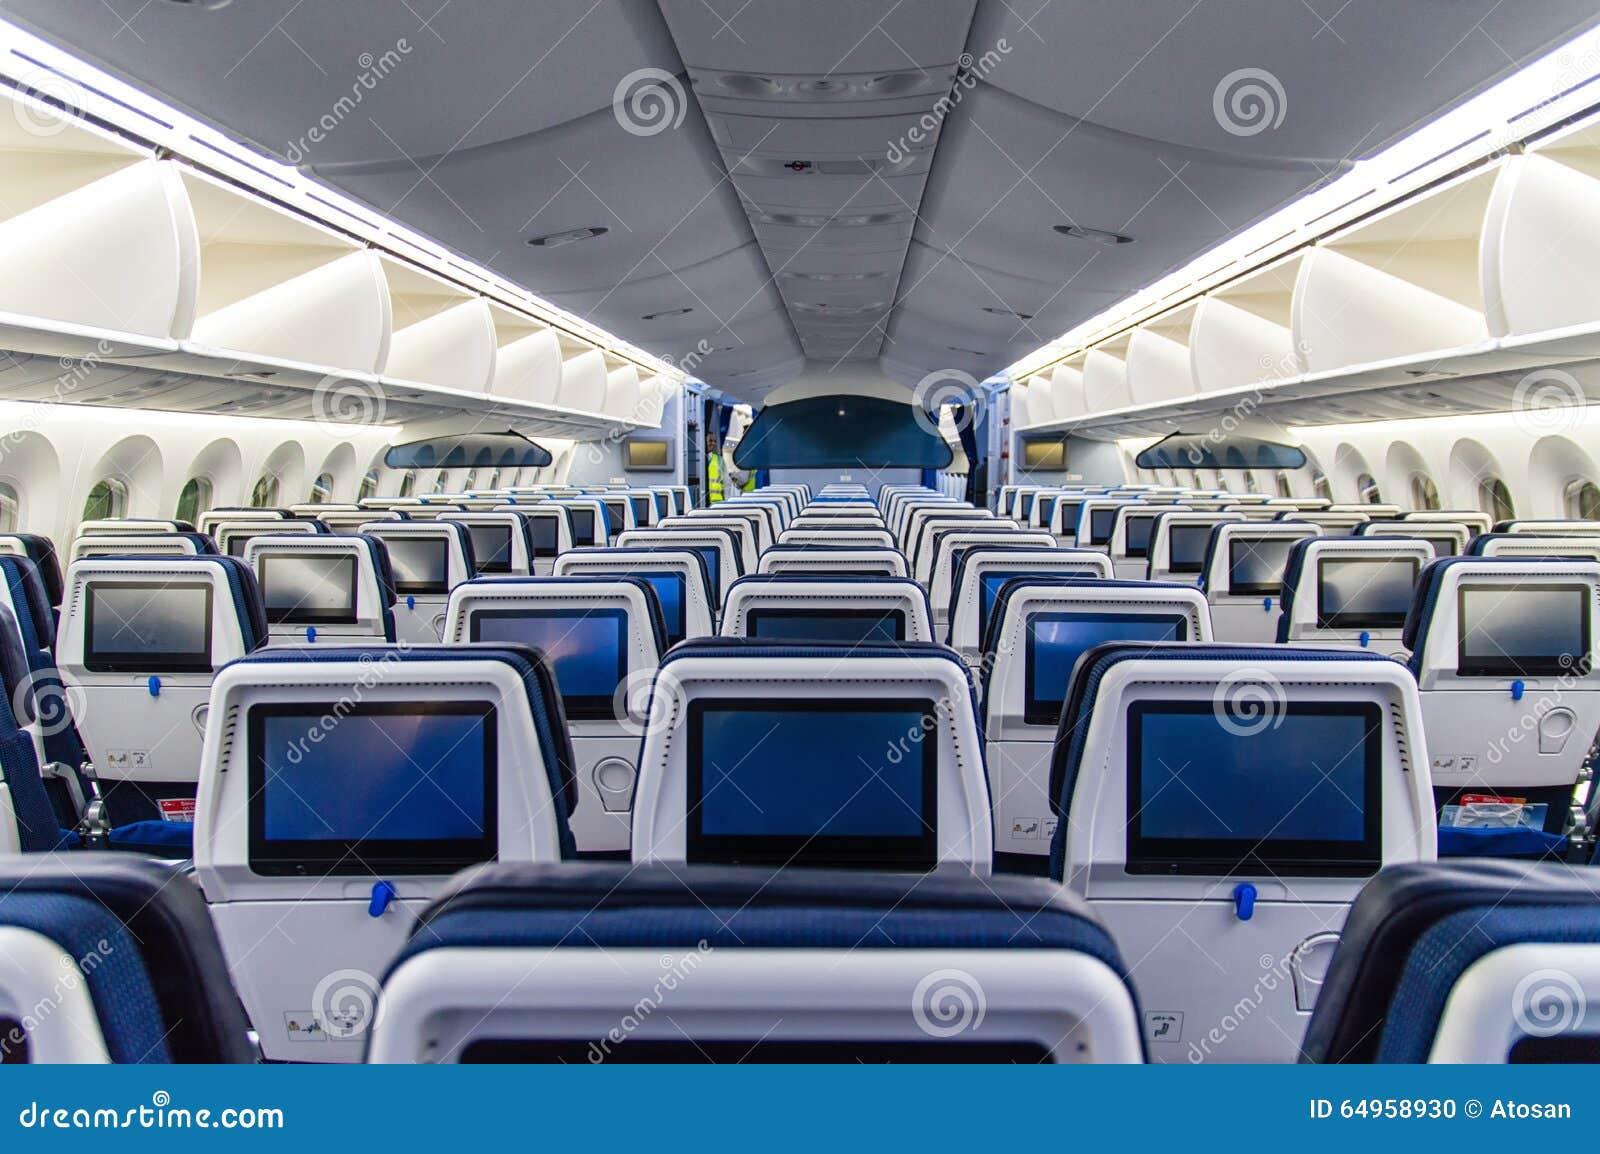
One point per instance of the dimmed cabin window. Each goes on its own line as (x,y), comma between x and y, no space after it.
(1424,493)
(108,499)
(194,499)
(1583,500)
(322,489)
(265,494)
(1367,486)
(369,485)
(1496,500)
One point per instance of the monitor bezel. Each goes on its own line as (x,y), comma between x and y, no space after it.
(1327,620)
(756,613)
(296,615)
(1234,857)
(918,853)
(479,564)
(1522,665)
(192,661)
(1038,711)
(578,707)
(1197,566)
(340,857)
(419,587)
(1255,588)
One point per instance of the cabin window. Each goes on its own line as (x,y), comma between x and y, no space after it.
(1583,500)
(408,483)
(494,480)
(1367,486)
(10,509)
(265,494)
(1320,485)
(107,500)
(1495,499)
(322,489)
(369,485)
(1222,482)
(438,482)
(1285,489)
(1250,482)
(194,499)
(1424,493)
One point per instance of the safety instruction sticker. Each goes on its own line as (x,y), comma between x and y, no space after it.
(177,809)
(1163,1026)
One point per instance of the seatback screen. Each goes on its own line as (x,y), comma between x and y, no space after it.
(1522,630)
(586,648)
(669,589)
(308,589)
(1055,641)
(1137,528)
(1069,516)
(617,511)
(1294,790)
(840,783)
(848,626)
(420,564)
(582,526)
(641,508)
(546,536)
(1256,564)
(148,627)
(491,547)
(713,558)
(1364,592)
(1186,548)
(992,583)
(1101,522)
(392,788)
(1442,546)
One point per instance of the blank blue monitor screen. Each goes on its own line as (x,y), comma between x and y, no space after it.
(712,555)
(669,589)
(587,649)
(491,547)
(1055,641)
(1293,785)
(825,782)
(992,582)
(1186,547)
(641,508)
(402,787)
(1100,525)
(1137,529)
(582,525)
(848,626)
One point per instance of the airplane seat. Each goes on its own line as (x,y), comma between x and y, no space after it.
(340,788)
(1351,591)
(1502,649)
(825,559)
(141,545)
(141,641)
(26,595)
(30,819)
(152,986)
(1529,545)
(603,636)
(949,545)
(1266,784)
(1465,962)
(1242,576)
(867,756)
(981,570)
(681,578)
(1179,540)
(865,538)
(324,589)
(41,550)
(427,560)
(1038,629)
(842,608)
(824,965)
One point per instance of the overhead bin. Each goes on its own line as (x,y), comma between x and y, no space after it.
(1066,389)
(622,397)
(1105,378)
(583,382)
(1158,365)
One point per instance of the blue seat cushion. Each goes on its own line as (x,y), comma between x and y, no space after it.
(169,839)
(544,700)
(1082,695)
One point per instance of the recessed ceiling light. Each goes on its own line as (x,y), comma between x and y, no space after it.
(666,313)
(992,311)
(1093,235)
(569,236)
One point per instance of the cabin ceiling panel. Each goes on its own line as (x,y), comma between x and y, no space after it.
(272,71)
(1347,76)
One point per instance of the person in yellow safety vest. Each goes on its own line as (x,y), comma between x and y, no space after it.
(713,472)
(719,465)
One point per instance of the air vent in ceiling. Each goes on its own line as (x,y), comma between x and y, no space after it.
(831,220)
(664,313)
(569,236)
(828,309)
(832,277)
(997,312)
(802,166)
(831,87)
(1093,235)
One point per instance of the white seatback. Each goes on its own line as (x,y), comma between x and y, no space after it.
(967,602)
(1244,582)
(419,610)
(293,625)
(743,532)
(300,945)
(943,554)
(1199,955)
(604,730)
(494,523)
(830,559)
(140,544)
(1527,545)
(1021,737)
(808,596)
(1160,562)
(815,534)
(1331,558)
(233,536)
(698,617)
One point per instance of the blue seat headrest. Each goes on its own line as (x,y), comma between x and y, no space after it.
(159,982)
(42,552)
(31,601)
(1082,694)
(544,699)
